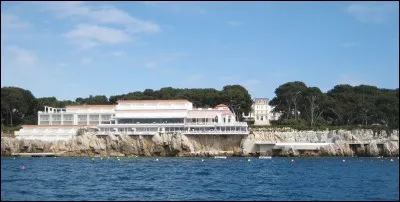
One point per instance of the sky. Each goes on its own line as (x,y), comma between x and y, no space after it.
(76,49)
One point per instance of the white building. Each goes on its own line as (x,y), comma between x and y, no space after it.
(133,117)
(261,112)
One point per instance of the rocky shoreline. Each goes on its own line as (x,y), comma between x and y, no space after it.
(372,143)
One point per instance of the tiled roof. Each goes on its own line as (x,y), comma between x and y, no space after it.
(56,125)
(90,106)
(152,101)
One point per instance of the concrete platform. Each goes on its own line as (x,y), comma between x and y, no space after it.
(37,154)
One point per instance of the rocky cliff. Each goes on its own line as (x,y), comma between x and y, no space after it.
(379,143)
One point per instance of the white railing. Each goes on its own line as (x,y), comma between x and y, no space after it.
(139,124)
(126,133)
(232,124)
(216,132)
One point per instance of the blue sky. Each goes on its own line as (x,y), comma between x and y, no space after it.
(77,49)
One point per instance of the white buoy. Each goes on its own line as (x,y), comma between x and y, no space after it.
(248,160)
(14,158)
(202,160)
(156,159)
(101,158)
(391,159)
(344,160)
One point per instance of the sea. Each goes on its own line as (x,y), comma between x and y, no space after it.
(184,178)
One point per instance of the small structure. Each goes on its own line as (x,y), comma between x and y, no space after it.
(261,112)
(268,148)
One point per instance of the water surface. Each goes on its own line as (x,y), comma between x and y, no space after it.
(169,178)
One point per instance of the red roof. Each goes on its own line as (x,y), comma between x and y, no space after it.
(89,106)
(43,125)
(221,105)
(153,101)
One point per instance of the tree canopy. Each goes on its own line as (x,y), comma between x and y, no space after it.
(298,103)
(342,105)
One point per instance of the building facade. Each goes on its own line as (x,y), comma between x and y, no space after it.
(133,117)
(261,112)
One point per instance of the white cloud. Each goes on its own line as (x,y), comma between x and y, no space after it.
(118,53)
(372,12)
(178,7)
(156,62)
(61,65)
(101,15)
(150,65)
(252,82)
(194,77)
(10,21)
(95,21)
(19,57)
(87,61)
(349,44)
(233,23)
(351,80)
(88,36)
(224,78)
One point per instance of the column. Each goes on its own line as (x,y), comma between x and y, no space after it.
(62,119)
(99,118)
(87,119)
(75,119)
(50,119)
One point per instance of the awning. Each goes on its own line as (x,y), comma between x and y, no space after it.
(202,114)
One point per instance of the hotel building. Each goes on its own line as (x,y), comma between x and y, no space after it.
(261,112)
(133,117)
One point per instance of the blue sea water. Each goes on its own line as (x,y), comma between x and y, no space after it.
(175,178)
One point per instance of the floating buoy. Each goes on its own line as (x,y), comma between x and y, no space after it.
(101,158)
(55,157)
(108,157)
(292,160)
(156,159)
(14,158)
(22,167)
(202,160)
(92,158)
(248,160)
(391,159)
(344,160)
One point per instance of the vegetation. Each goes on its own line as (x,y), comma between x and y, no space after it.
(343,105)
(302,107)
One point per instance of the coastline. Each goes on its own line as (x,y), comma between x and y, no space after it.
(362,143)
